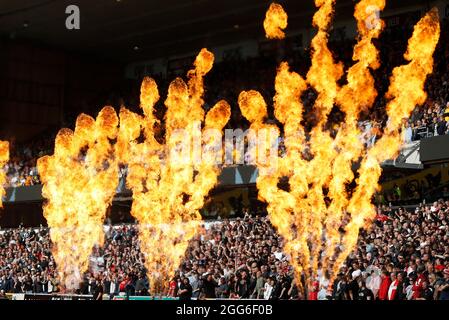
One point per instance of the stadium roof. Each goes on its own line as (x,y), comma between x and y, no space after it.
(129,30)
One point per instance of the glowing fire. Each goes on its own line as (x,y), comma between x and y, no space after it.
(4,157)
(310,213)
(171,179)
(275,21)
(356,96)
(406,91)
(169,182)
(79,181)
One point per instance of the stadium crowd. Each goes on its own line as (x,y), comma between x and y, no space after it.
(21,169)
(403,256)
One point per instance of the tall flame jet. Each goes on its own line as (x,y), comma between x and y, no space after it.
(310,215)
(406,91)
(4,157)
(79,182)
(169,182)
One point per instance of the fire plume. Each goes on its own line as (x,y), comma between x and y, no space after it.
(275,22)
(357,95)
(79,183)
(4,157)
(169,182)
(406,91)
(311,211)
(170,179)
(322,76)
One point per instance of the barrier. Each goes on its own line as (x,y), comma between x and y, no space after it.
(229,176)
(49,296)
(435,150)
(62,296)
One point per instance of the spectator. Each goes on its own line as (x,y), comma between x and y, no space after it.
(98,290)
(408,133)
(427,292)
(313,291)
(222,290)
(268,289)
(384,286)
(239,259)
(443,288)
(209,286)
(364,292)
(185,289)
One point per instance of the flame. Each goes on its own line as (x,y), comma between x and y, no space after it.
(169,182)
(356,96)
(406,91)
(171,179)
(322,76)
(288,110)
(4,157)
(275,21)
(79,183)
(311,212)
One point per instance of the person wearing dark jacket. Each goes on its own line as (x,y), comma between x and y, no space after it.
(427,292)
(285,287)
(37,286)
(185,290)
(9,284)
(107,285)
(17,286)
(365,294)
(339,287)
(142,285)
(243,286)
(401,288)
(98,291)
(441,126)
(209,286)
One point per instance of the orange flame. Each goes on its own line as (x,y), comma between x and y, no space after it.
(406,91)
(310,224)
(357,95)
(169,182)
(275,21)
(322,76)
(4,157)
(288,110)
(79,182)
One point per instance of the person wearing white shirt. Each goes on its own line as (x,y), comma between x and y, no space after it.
(278,254)
(268,289)
(324,282)
(408,133)
(373,283)
(322,294)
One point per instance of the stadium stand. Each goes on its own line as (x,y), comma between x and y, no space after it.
(403,256)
